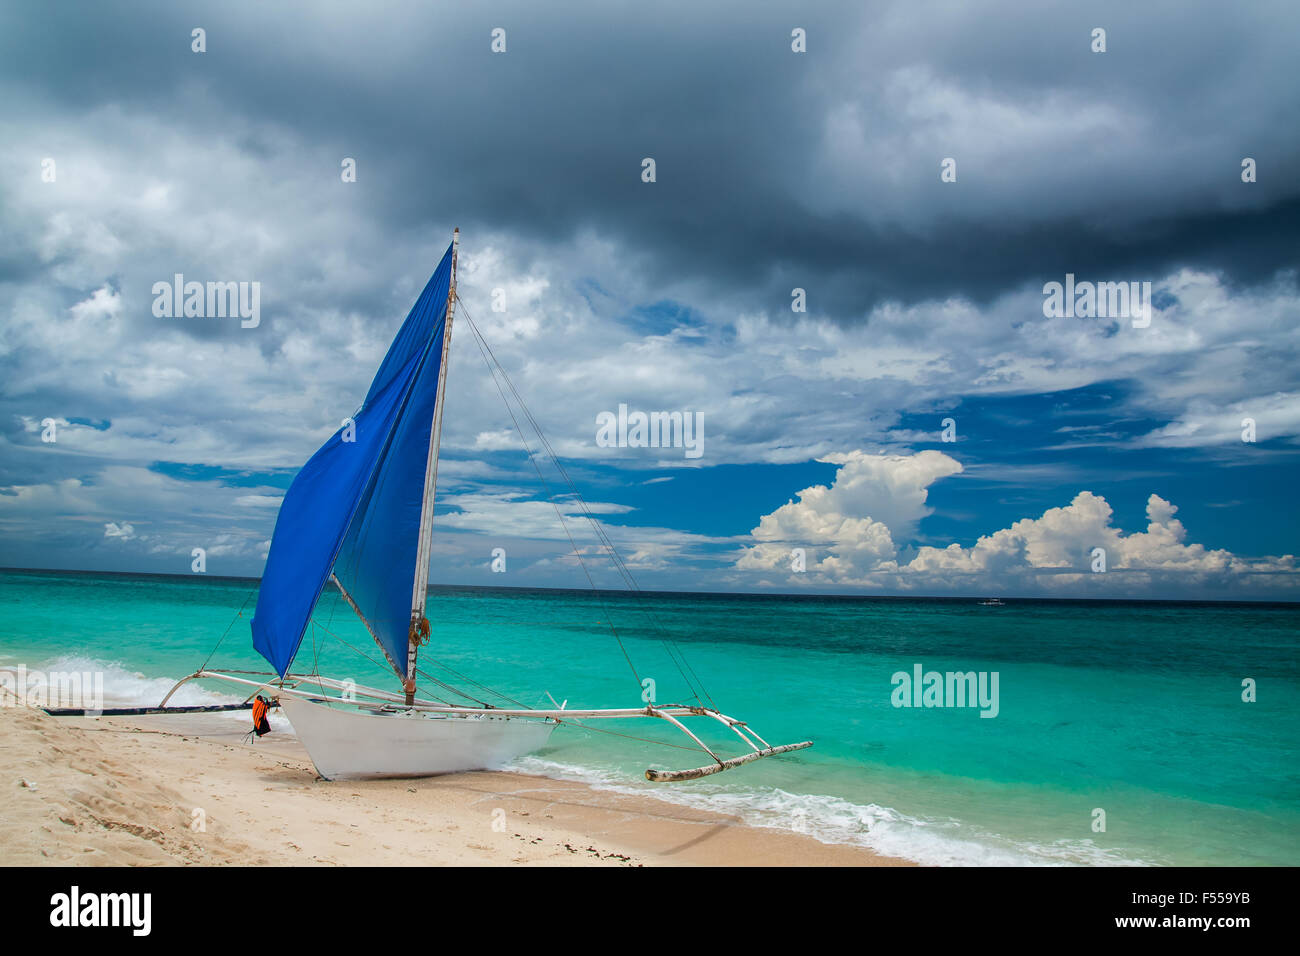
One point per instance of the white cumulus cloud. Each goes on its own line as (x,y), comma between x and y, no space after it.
(853,531)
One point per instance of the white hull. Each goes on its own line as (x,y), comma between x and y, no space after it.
(348,743)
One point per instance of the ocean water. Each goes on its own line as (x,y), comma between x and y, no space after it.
(1133,709)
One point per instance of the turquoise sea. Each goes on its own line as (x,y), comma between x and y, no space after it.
(1131,708)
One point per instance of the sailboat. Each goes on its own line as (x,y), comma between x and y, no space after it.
(359,516)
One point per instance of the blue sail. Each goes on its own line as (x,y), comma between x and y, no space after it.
(354,508)
(376,565)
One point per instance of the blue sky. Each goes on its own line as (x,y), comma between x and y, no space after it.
(776,171)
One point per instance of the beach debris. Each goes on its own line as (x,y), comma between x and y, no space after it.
(621,857)
(28,785)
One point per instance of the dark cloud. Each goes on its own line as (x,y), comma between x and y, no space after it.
(1068,160)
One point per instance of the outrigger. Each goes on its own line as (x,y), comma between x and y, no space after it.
(344,749)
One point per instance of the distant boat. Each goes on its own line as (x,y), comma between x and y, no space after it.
(992,602)
(360,514)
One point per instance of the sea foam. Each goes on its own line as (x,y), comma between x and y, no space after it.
(833,820)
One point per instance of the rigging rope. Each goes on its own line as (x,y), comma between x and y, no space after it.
(238,615)
(615,557)
(615,733)
(478,337)
(475,683)
(384,667)
(675,653)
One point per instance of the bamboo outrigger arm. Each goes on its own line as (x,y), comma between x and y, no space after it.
(668,776)
(354,694)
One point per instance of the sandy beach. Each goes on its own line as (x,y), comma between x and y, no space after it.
(113,791)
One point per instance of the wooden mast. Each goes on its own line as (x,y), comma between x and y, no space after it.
(419,629)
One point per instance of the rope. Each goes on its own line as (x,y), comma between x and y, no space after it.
(616,559)
(475,683)
(674,651)
(238,615)
(386,668)
(478,337)
(615,733)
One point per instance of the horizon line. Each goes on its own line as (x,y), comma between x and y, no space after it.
(742,594)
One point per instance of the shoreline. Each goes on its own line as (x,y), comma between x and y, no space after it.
(187,790)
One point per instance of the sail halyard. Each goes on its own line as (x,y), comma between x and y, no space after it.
(419,629)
